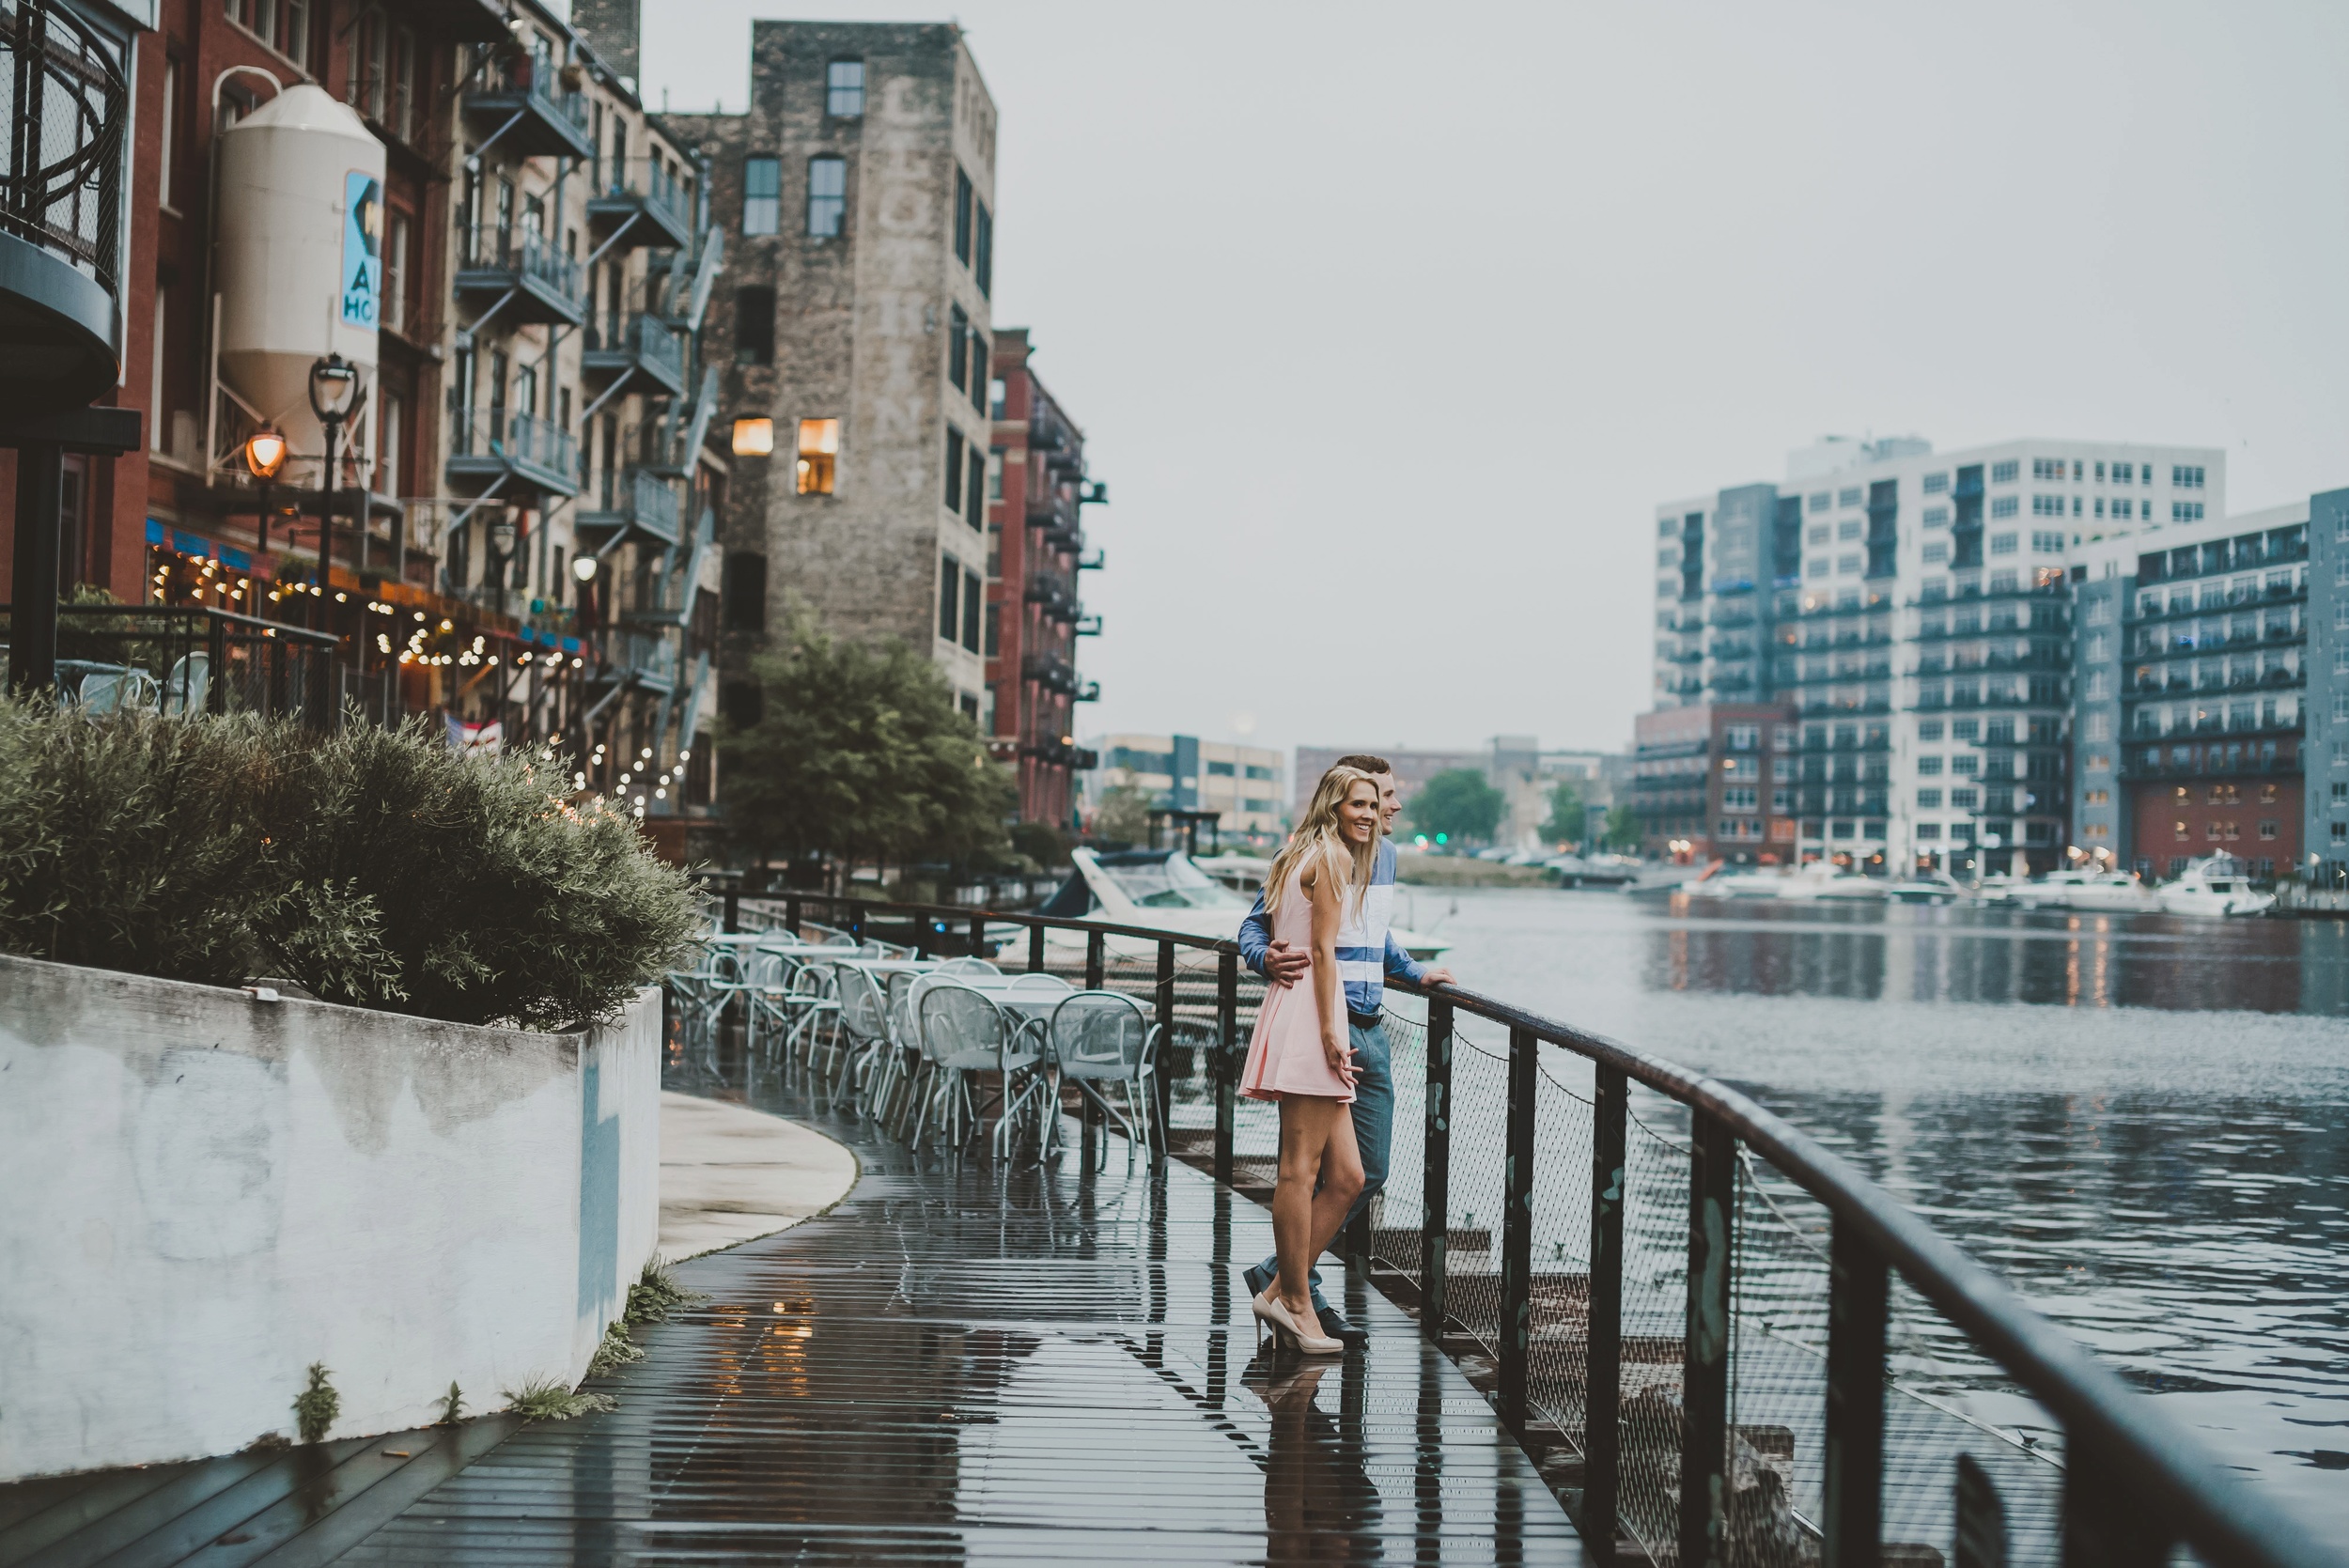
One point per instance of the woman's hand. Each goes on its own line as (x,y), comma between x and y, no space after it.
(1339,1053)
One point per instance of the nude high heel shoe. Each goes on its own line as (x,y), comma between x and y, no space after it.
(1269,1311)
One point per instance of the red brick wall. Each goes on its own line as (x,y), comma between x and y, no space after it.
(2219,814)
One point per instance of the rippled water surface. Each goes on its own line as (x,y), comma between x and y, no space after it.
(2138,1120)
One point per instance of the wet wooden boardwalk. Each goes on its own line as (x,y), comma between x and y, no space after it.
(956,1364)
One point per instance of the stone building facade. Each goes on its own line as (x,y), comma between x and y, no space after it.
(858,189)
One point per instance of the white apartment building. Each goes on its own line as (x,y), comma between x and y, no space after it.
(1913,612)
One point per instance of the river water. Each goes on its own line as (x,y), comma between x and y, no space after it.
(2142,1122)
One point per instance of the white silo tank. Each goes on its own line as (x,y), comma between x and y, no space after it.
(301,265)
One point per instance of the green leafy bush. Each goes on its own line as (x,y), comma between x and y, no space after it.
(374,867)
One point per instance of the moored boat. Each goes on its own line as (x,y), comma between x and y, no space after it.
(2216,886)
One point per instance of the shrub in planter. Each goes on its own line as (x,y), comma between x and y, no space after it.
(376,868)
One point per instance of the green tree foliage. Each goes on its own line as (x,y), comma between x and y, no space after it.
(1459,804)
(374,868)
(861,754)
(1623,830)
(1569,822)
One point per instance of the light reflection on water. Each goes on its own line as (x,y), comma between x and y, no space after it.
(2138,1120)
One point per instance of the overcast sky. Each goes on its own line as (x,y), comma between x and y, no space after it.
(1388,325)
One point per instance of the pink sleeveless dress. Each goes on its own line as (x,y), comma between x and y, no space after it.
(1284,1055)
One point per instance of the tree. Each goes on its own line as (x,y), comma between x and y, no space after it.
(1458,806)
(1124,815)
(1569,822)
(859,753)
(1623,830)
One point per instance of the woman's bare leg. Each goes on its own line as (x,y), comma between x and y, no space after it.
(1307,1124)
(1341,1182)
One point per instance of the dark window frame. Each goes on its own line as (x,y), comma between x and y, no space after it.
(954,469)
(754,324)
(827,210)
(964,196)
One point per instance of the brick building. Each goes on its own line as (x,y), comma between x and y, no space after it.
(1718,780)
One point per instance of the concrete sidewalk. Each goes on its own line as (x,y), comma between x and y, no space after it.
(729,1174)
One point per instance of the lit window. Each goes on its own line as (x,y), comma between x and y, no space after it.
(819,451)
(762,194)
(754,437)
(844,89)
(827,197)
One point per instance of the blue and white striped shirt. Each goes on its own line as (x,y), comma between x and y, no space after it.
(1368,951)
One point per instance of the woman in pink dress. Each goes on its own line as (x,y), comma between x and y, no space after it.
(1298,1054)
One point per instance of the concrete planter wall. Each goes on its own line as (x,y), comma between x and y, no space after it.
(201,1194)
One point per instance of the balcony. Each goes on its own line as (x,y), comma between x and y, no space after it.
(2279,755)
(60,223)
(517,275)
(488,444)
(646,356)
(1058,603)
(1052,672)
(646,660)
(631,504)
(1685,656)
(639,206)
(527,111)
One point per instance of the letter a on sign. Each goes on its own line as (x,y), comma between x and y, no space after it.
(363,250)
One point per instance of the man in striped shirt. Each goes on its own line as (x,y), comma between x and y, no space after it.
(1367,953)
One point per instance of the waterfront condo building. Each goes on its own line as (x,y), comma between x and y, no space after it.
(1037,490)
(859,185)
(1718,780)
(1915,612)
(1241,785)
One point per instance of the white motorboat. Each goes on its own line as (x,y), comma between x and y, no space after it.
(2104,893)
(1163,890)
(1718,883)
(1823,881)
(1998,889)
(1581,871)
(2216,886)
(1242,874)
(1926,887)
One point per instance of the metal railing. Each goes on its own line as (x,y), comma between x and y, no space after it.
(1748,1351)
(514,438)
(645,335)
(62,102)
(523,251)
(158,658)
(650,180)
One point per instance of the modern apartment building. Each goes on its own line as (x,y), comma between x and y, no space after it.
(1718,780)
(860,188)
(519,243)
(1036,489)
(1182,773)
(1915,610)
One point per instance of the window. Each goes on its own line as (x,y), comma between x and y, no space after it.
(1936,484)
(2005,505)
(162,162)
(2099,762)
(744,591)
(995,474)
(1844,565)
(2340,833)
(1848,496)
(400,108)
(395,273)
(1928,830)
(1929,768)
(1819,502)
(2124,474)
(1260,773)
(949,598)
(392,444)
(2047,468)
(954,469)
(1929,729)
(2004,544)
(2185,511)
(978,486)
(1965,763)
(819,451)
(1818,568)
(1847,528)
(1744,737)
(1935,516)
(1819,534)
(2006,472)
(2185,478)
(844,89)
(754,325)
(2044,543)
(1220,770)
(762,194)
(1928,799)
(983,253)
(957,346)
(827,197)
(978,372)
(1964,799)
(973,615)
(2047,505)
(964,196)
(1937,553)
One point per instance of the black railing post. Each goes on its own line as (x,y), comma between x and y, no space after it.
(791,915)
(978,936)
(216,693)
(1855,1302)
(1036,948)
(39,517)
(734,907)
(856,921)
(1227,1063)
(1602,1404)
(1435,1172)
(1093,943)
(1517,1231)
(1704,1366)
(2109,1522)
(1162,1079)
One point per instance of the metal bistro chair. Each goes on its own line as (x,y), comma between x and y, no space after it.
(781,1008)
(898,1071)
(864,1030)
(966,966)
(1104,1038)
(963,1031)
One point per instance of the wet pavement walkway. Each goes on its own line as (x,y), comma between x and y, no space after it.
(960,1363)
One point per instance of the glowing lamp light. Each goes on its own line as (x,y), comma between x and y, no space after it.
(754,437)
(334,387)
(264,453)
(584,568)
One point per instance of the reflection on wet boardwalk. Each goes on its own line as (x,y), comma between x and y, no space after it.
(959,1364)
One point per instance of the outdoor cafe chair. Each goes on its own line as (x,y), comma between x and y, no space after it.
(967,965)
(964,1032)
(863,1027)
(1103,1039)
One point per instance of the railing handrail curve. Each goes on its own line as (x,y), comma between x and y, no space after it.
(2207,1509)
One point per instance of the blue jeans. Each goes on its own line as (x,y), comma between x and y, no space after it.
(1374,1127)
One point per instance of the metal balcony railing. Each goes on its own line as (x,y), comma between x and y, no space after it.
(625,184)
(535,449)
(525,257)
(62,102)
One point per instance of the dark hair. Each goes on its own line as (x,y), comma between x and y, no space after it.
(1367,763)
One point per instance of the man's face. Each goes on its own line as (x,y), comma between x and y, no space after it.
(1390,802)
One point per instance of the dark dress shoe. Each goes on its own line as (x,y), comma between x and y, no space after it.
(1334,1324)
(1258,1277)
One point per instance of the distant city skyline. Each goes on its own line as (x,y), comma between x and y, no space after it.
(1434,389)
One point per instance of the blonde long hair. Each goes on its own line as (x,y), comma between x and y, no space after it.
(1319,842)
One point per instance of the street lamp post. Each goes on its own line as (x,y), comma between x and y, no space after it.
(334,388)
(264,455)
(502,538)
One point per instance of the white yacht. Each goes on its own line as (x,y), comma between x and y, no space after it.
(1824,881)
(2104,893)
(1720,883)
(1164,890)
(2216,886)
(1926,887)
